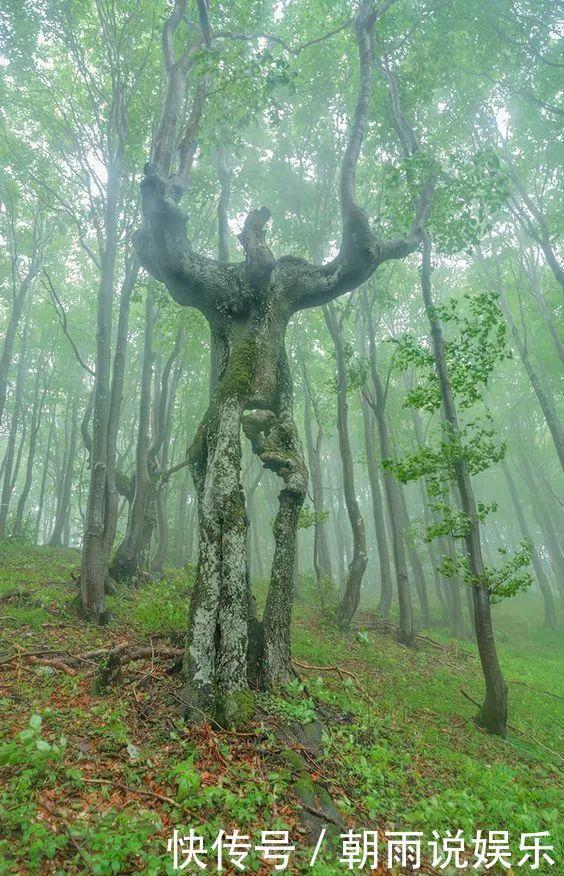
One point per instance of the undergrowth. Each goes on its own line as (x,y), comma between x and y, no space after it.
(98,783)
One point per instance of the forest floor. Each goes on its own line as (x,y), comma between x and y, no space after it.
(95,781)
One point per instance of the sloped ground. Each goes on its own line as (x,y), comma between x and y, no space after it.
(95,782)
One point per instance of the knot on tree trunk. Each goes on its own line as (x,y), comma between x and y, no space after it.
(258,256)
(276,442)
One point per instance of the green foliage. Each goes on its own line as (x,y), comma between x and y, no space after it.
(161,606)
(187,779)
(477,444)
(294,705)
(511,577)
(120,842)
(309,517)
(30,751)
(471,354)
(323,594)
(468,198)
(28,762)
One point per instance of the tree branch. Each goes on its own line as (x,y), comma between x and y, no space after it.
(60,311)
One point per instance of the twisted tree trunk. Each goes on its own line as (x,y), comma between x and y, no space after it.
(248,306)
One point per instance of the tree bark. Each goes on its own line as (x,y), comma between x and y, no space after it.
(321,557)
(94,558)
(20,294)
(116,397)
(10,457)
(44,473)
(37,410)
(125,563)
(418,574)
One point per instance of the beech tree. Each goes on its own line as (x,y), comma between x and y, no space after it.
(248,305)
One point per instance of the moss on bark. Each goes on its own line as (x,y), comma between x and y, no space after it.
(238,377)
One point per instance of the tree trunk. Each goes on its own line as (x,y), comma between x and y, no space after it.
(386,589)
(545,523)
(550,619)
(417,571)
(94,558)
(19,299)
(17,417)
(125,563)
(63,505)
(181,521)
(116,398)
(493,714)
(448,588)
(351,596)
(406,632)
(44,473)
(341,546)
(540,301)
(321,558)
(37,411)
(159,457)
(544,397)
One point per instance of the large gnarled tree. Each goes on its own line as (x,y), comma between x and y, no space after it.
(248,305)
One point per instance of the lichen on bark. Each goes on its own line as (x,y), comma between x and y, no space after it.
(248,305)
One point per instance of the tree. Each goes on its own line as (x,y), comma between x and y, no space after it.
(351,593)
(248,305)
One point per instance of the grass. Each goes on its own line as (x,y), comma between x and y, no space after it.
(96,784)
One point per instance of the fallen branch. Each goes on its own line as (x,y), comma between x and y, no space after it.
(324,816)
(55,664)
(119,653)
(420,637)
(122,787)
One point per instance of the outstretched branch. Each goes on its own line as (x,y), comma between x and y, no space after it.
(361,250)
(207,284)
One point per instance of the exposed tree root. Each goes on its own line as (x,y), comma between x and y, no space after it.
(516,729)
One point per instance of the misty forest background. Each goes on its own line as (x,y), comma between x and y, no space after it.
(469,90)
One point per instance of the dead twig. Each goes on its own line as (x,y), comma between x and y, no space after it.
(338,669)
(547,693)
(137,791)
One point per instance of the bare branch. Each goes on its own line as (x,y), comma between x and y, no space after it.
(60,311)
